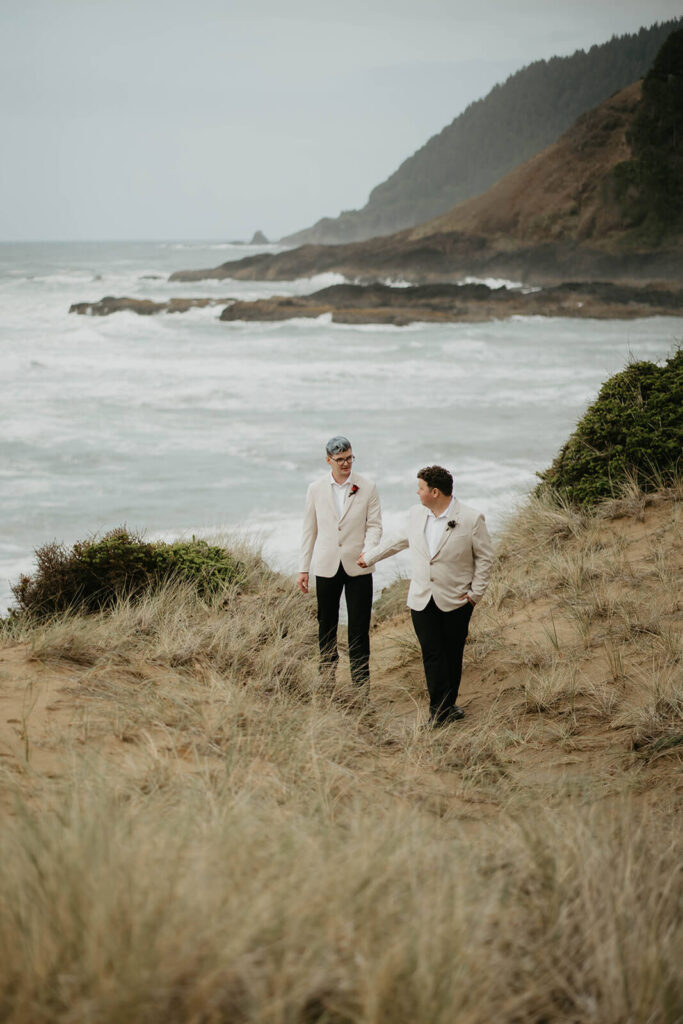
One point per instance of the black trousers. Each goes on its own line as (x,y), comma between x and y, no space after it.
(442,637)
(358,593)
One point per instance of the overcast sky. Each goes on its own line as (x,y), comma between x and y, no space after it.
(212,118)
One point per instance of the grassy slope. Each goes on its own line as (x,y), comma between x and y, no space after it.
(193,832)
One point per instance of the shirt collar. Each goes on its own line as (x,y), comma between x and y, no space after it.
(334,482)
(444,514)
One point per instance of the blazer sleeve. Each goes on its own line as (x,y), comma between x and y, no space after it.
(373,522)
(309,532)
(482,548)
(400,544)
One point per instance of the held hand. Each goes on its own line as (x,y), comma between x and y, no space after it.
(302,582)
(361,560)
(466,597)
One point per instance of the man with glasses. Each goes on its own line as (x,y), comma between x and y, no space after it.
(342,517)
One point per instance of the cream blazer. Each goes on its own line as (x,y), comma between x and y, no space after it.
(340,540)
(461,564)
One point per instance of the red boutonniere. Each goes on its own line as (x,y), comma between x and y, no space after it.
(353,489)
(451,524)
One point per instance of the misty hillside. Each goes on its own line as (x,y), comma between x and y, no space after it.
(603,202)
(492,136)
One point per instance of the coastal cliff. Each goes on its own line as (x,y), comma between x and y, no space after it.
(493,136)
(577,211)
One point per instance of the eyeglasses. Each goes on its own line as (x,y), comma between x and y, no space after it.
(345,461)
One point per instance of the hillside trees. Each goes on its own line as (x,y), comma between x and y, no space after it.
(516,120)
(655,172)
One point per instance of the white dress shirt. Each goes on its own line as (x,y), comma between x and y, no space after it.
(434,527)
(339,493)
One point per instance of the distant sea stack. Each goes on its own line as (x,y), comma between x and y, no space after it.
(492,136)
(259,238)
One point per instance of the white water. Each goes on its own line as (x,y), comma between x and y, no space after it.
(180,424)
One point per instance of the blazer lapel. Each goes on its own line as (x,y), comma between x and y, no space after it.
(350,498)
(446,533)
(423,540)
(330,497)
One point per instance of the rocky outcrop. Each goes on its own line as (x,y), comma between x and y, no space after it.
(433,303)
(444,303)
(145,307)
(258,238)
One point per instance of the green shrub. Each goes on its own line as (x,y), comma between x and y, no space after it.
(634,430)
(95,573)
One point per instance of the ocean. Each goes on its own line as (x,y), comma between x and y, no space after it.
(178,424)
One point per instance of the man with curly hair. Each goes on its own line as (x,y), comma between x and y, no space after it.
(451,558)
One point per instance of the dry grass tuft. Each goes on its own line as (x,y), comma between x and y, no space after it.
(658,724)
(184,901)
(541,521)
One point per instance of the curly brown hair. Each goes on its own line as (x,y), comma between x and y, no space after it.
(437,476)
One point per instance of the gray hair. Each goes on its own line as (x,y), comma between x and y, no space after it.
(337,444)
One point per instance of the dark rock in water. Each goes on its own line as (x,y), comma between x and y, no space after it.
(259,239)
(151,277)
(144,307)
(470,303)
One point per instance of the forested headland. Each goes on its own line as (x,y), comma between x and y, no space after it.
(517,119)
